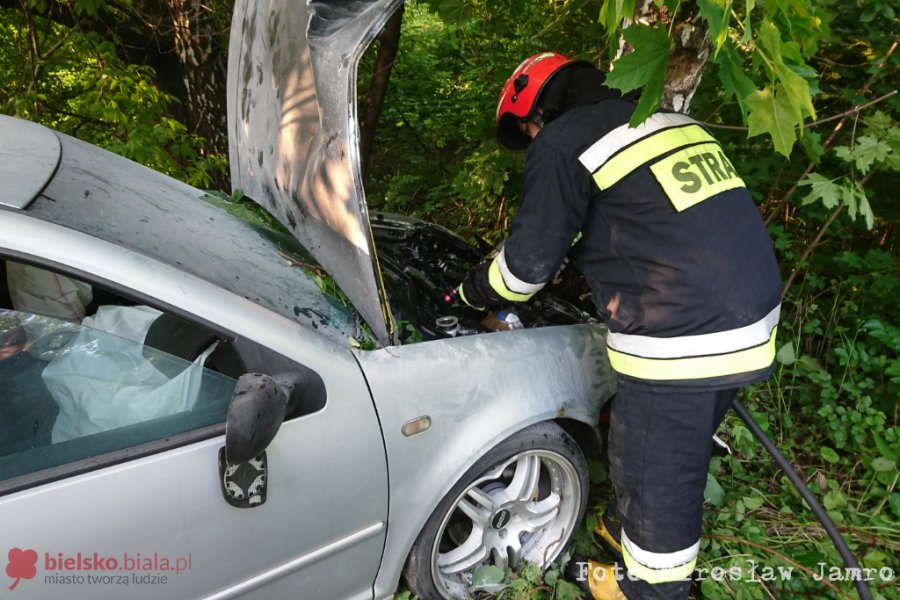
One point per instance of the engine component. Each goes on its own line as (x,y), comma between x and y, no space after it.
(421,261)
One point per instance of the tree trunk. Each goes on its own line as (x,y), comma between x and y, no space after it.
(201,53)
(185,41)
(689,54)
(388,44)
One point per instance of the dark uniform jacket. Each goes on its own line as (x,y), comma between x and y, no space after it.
(659,221)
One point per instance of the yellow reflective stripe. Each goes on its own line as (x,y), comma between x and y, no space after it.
(704,344)
(695,367)
(603,532)
(495,279)
(657,575)
(694,174)
(462,296)
(647,149)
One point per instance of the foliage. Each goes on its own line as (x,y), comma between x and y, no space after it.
(831,209)
(437,157)
(78,83)
(761,50)
(800,94)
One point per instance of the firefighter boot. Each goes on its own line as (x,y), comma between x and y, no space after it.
(607,533)
(597,580)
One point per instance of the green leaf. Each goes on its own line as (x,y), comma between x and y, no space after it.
(645,66)
(794,87)
(748,27)
(786,354)
(858,204)
(488,578)
(821,188)
(867,151)
(532,573)
(566,590)
(717,13)
(773,114)
(883,464)
(714,494)
(811,143)
(829,455)
(797,89)
(732,72)
(884,448)
(648,61)
(894,501)
(752,502)
(613,11)
(864,208)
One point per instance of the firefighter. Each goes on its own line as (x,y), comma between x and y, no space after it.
(681,269)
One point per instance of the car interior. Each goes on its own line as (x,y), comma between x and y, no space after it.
(37,405)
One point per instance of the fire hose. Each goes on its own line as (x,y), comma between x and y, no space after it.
(831,529)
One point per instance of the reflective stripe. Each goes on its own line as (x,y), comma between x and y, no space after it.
(462,296)
(697,345)
(603,149)
(603,532)
(698,367)
(508,285)
(658,144)
(659,567)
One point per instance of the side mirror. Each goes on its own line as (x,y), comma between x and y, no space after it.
(257,409)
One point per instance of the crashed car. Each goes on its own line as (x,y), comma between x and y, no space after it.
(187,414)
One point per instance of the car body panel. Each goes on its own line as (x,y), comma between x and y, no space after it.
(28,159)
(170,502)
(293,134)
(477,391)
(169,505)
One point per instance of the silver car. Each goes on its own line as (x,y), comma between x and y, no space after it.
(186,413)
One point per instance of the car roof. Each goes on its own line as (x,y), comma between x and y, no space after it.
(29,156)
(104,195)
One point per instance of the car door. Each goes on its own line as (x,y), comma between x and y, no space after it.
(110,485)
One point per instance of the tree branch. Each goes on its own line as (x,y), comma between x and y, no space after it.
(847,113)
(819,235)
(790,193)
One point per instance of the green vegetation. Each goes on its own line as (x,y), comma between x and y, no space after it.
(831,209)
(78,81)
(802,93)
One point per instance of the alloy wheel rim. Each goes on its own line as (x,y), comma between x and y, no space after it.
(521,511)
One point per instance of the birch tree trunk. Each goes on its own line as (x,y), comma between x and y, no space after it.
(689,54)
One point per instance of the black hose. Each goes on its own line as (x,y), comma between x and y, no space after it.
(843,549)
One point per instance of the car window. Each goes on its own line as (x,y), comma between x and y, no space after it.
(76,390)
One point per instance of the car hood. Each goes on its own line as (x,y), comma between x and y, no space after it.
(293,134)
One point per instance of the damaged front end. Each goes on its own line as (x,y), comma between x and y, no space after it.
(421,261)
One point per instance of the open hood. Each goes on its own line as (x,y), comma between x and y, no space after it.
(293,134)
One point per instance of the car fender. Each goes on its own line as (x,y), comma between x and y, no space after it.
(475,391)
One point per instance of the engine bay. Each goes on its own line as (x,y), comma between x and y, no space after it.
(421,262)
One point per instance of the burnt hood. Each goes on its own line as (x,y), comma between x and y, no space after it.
(293,134)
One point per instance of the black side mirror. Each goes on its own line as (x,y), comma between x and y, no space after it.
(257,409)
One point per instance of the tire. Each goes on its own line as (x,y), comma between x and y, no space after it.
(520,503)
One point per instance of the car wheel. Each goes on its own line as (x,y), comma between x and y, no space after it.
(520,503)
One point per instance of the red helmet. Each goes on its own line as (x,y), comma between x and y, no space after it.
(518,99)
